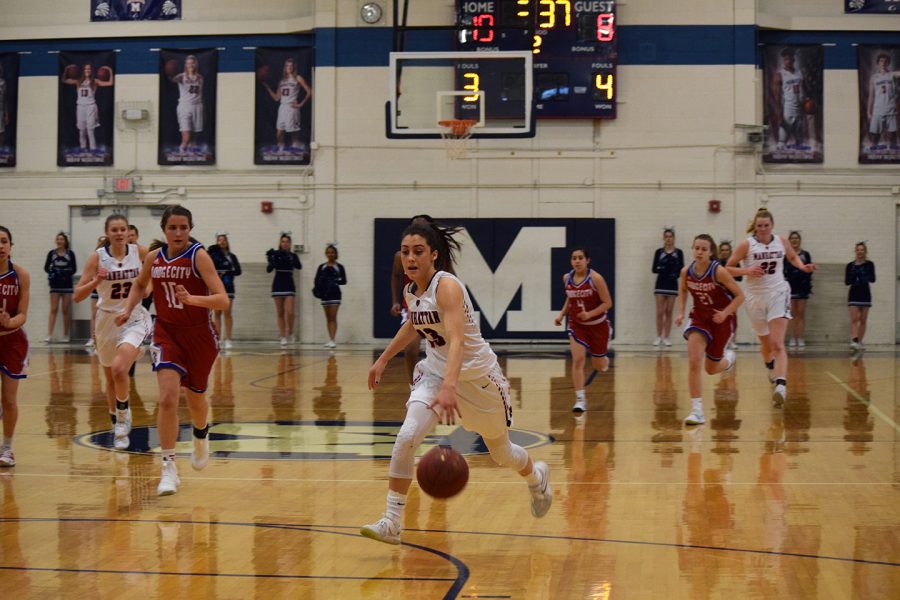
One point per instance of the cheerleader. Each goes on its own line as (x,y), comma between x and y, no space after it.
(283,261)
(801,290)
(667,264)
(858,275)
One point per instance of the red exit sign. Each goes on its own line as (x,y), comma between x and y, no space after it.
(123,184)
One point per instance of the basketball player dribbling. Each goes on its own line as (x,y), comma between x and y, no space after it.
(459,379)
(15,285)
(716,296)
(185,288)
(111,271)
(768,304)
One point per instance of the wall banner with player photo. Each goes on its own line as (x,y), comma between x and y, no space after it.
(135,10)
(187,107)
(283,106)
(792,103)
(86,105)
(872,6)
(878,68)
(9,105)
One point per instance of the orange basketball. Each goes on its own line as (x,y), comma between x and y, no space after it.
(262,73)
(809,106)
(442,472)
(71,72)
(104,73)
(171,67)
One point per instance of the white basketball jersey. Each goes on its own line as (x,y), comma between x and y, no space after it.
(289,90)
(426,317)
(884,92)
(791,90)
(190,89)
(86,92)
(771,258)
(114,290)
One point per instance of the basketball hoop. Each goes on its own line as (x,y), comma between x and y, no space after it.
(455,134)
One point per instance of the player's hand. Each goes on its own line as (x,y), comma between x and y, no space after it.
(446,406)
(558,321)
(756,271)
(396,309)
(719,316)
(182,295)
(375,374)
(810,267)
(122,318)
(102,273)
(679,319)
(102,10)
(4,318)
(584,316)
(169,8)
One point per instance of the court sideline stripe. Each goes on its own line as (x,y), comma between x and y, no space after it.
(884,417)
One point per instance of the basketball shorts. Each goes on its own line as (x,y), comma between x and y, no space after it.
(14,354)
(882,123)
(190,117)
(483,402)
(765,307)
(87,116)
(717,334)
(792,127)
(288,118)
(593,337)
(189,350)
(108,336)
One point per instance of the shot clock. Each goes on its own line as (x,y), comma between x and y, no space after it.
(573,43)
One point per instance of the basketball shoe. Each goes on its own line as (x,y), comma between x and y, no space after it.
(731,357)
(580,405)
(200,455)
(168,483)
(382,530)
(695,418)
(778,395)
(121,429)
(541,494)
(7,458)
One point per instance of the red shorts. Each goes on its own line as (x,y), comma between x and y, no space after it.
(593,337)
(717,334)
(189,350)
(14,354)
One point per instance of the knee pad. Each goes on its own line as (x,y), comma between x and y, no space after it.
(419,421)
(507,454)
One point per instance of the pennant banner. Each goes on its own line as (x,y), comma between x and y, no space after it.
(878,69)
(135,10)
(792,103)
(86,104)
(187,107)
(9,104)
(283,106)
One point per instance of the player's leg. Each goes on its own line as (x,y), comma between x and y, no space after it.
(199,408)
(668,308)
(51,318)
(66,304)
(279,316)
(863,313)
(289,317)
(536,474)
(696,343)
(126,354)
(578,358)
(599,345)
(660,318)
(777,330)
(331,311)
(229,319)
(9,387)
(169,381)
(279,138)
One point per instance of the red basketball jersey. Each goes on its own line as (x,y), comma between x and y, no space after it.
(9,293)
(583,297)
(708,294)
(168,273)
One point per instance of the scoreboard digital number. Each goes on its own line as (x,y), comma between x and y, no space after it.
(574,47)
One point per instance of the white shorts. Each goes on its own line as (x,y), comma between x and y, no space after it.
(288,118)
(86,116)
(190,117)
(108,336)
(483,402)
(775,304)
(884,122)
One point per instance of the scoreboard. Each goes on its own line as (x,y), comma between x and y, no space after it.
(573,43)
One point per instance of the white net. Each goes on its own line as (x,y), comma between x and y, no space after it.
(456,135)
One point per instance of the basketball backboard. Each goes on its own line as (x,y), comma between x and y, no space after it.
(492,88)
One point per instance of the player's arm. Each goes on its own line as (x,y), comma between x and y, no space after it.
(90,278)
(137,290)
(272,92)
(682,296)
(740,253)
(605,298)
(450,302)
(726,279)
(775,90)
(24,298)
(795,259)
(396,285)
(217,298)
(306,88)
(404,336)
(870,104)
(565,307)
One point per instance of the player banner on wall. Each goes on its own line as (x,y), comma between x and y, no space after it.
(878,68)
(872,6)
(283,106)
(135,10)
(792,103)
(187,107)
(9,104)
(86,104)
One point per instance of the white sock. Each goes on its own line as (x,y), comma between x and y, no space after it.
(579,394)
(532,478)
(7,442)
(396,502)
(697,404)
(168,454)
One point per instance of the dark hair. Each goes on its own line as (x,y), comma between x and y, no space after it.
(883,55)
(65,237)
(102,241)
(8,232)
(114,217)
(761,213)
(789,52)
(582,249)
(133,228)
(285,235)
(227,243)
(795,232)
(863,244)
(427,218)
(176,210)
(713,249)
(727,243)
(438,237)
(333,247)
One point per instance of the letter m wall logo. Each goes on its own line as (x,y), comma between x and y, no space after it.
(513,269)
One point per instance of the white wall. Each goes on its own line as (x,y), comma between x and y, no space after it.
(672,148)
